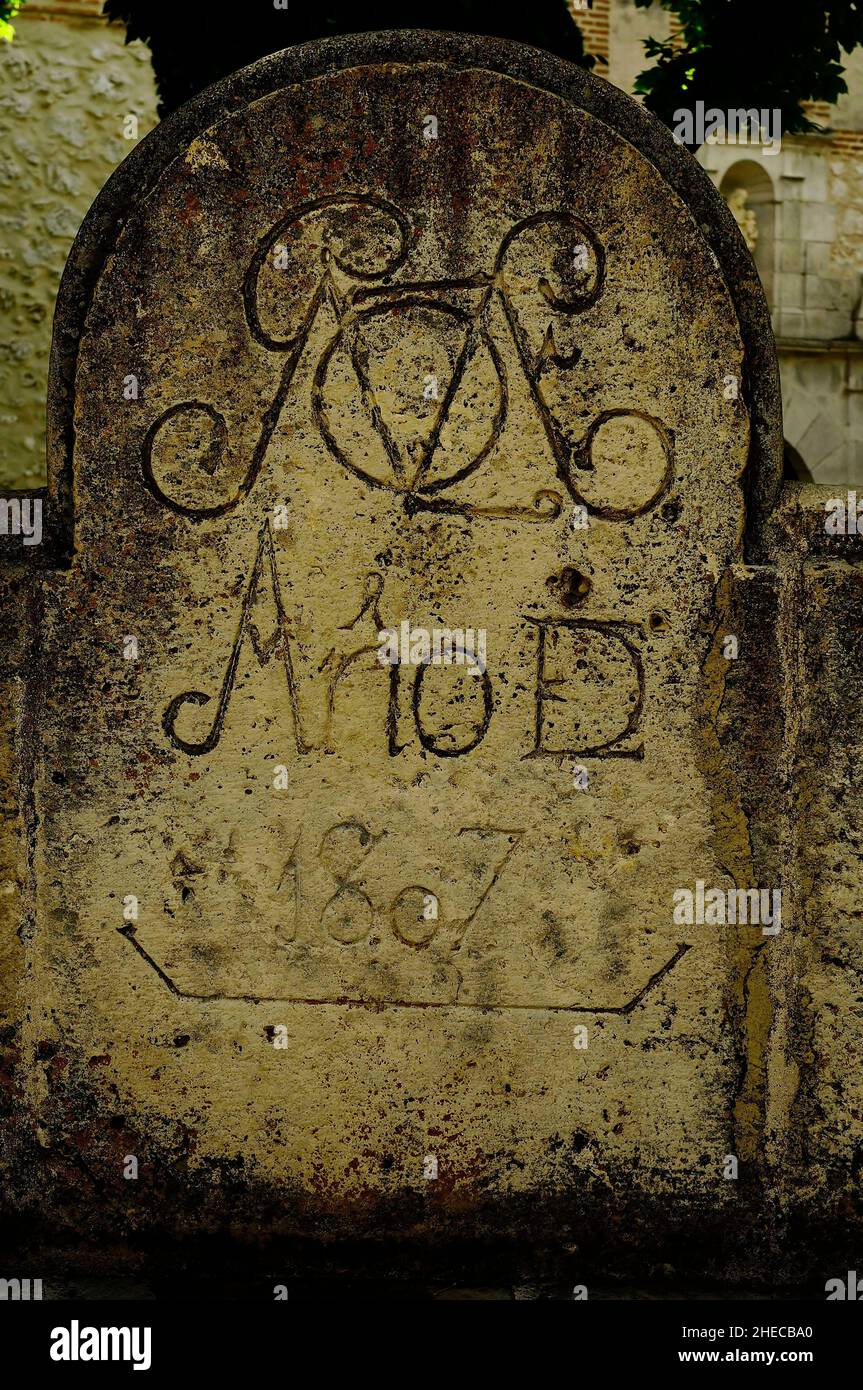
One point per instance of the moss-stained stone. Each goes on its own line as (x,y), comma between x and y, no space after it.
(827,1112)
(317,375)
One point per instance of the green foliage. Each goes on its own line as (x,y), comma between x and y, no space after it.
(752,53)
(8,10)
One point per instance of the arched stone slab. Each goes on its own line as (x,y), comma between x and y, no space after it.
(421,331)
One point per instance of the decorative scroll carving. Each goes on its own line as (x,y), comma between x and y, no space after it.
(321,248)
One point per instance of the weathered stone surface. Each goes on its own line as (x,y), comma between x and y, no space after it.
(67,86)
(826,1120)
(424,356)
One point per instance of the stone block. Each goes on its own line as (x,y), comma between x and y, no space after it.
(376,732)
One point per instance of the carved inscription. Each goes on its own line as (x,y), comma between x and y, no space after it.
(312,241)
(388,643)
(306,249)
(343,257)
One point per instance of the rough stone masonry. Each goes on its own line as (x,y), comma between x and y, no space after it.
(323,960)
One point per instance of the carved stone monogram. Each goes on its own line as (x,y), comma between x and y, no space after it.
(373,323)
(472,383)
(411,395)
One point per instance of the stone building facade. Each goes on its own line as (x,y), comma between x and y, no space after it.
(801,209)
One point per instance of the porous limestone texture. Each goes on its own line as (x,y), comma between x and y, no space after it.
(68,85)
(384,338)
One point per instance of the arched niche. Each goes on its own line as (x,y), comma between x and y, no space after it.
(748,190)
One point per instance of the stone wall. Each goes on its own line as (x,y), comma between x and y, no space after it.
(805,205)
(822,390)
(67,83)
(807,202)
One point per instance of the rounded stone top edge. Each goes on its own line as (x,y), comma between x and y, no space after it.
(144,165)
(505,57)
